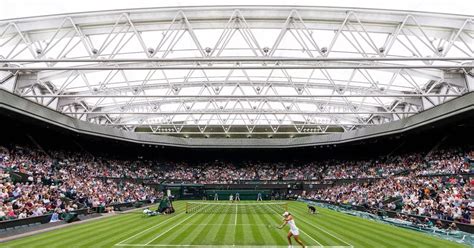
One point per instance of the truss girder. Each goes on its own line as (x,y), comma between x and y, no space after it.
(200,39)
(263,17)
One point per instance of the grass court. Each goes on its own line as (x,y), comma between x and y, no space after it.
(236,229)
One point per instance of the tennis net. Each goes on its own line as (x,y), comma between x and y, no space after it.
(236,208)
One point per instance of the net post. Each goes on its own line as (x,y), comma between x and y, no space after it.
(187,207)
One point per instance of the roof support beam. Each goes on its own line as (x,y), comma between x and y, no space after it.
(237,59)
(286,67)
(212,112)
(246,96)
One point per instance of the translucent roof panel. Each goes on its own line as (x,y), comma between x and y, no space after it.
(238,69)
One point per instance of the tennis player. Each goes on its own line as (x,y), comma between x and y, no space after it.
(294,231)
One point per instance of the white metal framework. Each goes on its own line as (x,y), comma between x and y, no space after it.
(239,71)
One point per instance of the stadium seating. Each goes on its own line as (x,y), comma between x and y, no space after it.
(66,181)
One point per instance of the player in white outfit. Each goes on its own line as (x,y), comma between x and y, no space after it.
(294,231)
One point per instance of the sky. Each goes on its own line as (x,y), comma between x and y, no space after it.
(24,8)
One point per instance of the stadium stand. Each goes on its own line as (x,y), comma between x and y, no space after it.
(59,183)
(65,176)
(227,125)
(41,179)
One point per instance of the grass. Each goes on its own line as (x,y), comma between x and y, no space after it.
(329,228)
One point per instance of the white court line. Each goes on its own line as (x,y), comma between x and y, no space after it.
(240,204)
(327,233)
(320,245)
(171,228)
(236,211)
(159,224)
(212,246)
(210,224)
(237,246)
(235,225)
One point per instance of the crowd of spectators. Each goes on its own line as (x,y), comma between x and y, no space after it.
(448,161)
(65,181)
(59,183)
(220,172)
(362,169)
(224,172)
(446,198)
(420,191)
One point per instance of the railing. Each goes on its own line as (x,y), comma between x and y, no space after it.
(159,181)
(468,174)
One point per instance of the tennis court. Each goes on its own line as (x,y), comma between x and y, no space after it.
(244,224)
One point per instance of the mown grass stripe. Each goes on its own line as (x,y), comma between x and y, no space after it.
(278,236)
(173,234)
(181,233)
(223,234)
(201,234)
(402,235)
(308,239)
(363,241)
(188,231)
(323,236)
(143,236)
(332,225)
(110,236)
(212,232)
(257,231)
(215,232)
(158,222)
(93,236)
(248,237)
(385,234)
(239,234)
(104,224)
(70,231)
(329,227)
